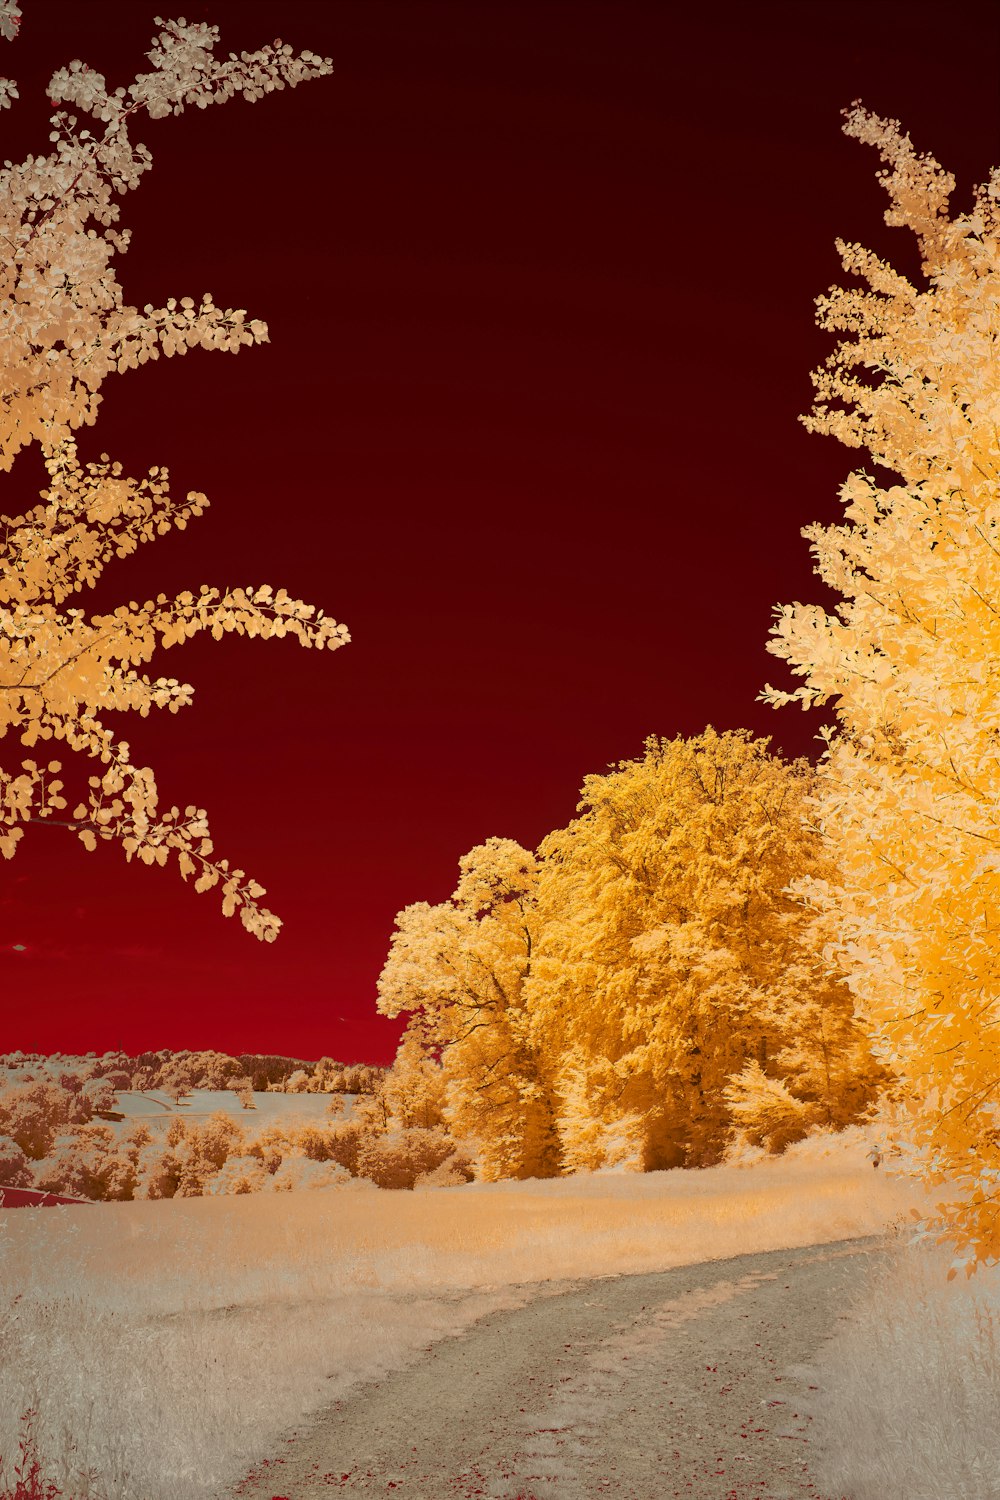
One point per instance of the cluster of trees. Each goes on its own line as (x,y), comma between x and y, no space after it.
(33,1113)
(680,960)
(52,1136)
(642,990)
(178,1073)
(330,1077)
(394,1137)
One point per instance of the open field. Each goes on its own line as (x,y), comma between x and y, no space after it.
(156,1109)
(167,1344)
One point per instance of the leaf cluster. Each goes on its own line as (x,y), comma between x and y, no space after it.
(63,328)
(908,789)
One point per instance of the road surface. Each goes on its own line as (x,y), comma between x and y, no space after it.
(690,1382)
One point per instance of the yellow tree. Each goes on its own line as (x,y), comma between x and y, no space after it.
(65,327)
(671,958)
(413,1091)
(909,784)
(462,967)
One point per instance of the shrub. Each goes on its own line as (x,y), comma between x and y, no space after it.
(34,1114)
(240,1174)
(398,1158)
(15,1170)
(304,1172)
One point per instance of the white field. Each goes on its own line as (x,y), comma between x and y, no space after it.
(157,1109)
(168,1345)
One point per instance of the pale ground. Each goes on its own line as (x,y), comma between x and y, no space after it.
(157,1109)
(169,1345)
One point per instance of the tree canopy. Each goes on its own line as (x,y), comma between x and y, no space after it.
(909,784)
(66,328)
(644,986)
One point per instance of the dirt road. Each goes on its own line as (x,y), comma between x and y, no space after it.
(691,1382)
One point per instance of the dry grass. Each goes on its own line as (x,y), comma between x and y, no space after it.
(909,1387)
(166,1346)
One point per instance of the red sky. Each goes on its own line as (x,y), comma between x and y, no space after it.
(538,278)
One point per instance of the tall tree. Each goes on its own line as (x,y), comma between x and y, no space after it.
(909,784)
(462,966)
(65,329)
(671,956)
(413,1090)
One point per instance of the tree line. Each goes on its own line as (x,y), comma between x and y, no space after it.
(177,1073)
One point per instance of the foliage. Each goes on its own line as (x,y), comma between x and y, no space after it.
(99,1094)
(188,1157)
(238,1174)
(98,1078)
(415,1088)
(243,1089)
(33,1114)
(301,1171)
(592,1003)
(49,1140)
(15,1167)
(764,1110)
(907,795)
(399,1158)
(66,327)
(671,956)
(350,1078)
(464,964)
(87,1163)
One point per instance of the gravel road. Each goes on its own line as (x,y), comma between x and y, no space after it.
(682,1383)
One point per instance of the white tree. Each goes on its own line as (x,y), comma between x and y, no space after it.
(243,1089)
(65,328)
(909,786)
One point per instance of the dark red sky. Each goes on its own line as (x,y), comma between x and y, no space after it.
(539,282)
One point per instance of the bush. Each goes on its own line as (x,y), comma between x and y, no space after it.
(345,1141)
(303,1172)
(271,1147)
(34,1114)
(398,1158)
(240,1174)
(454,1171)
(15,1169)
(186,1163)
